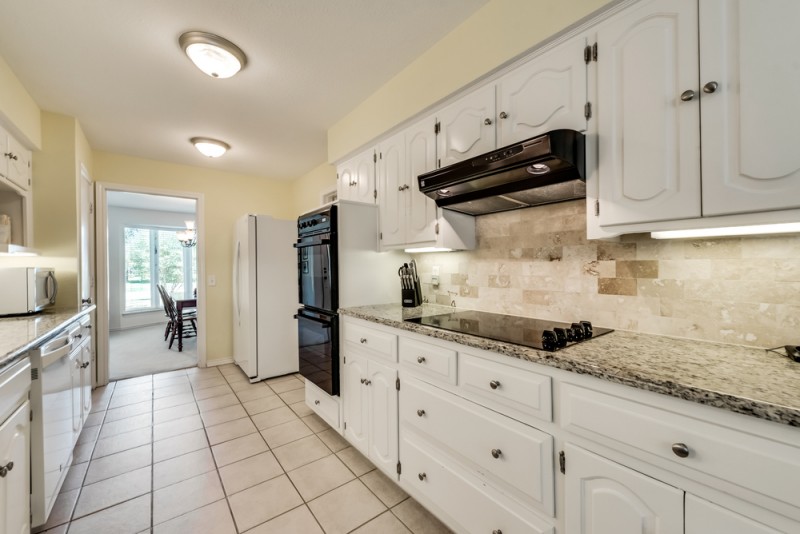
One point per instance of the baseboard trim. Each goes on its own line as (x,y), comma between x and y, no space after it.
(217,362)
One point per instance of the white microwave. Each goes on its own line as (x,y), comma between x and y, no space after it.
(25,290)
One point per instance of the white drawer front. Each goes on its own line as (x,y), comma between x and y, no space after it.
(371,341)
(516,392)
(428,360)
(461,498)
(750,461)
(517,458)
(323,404)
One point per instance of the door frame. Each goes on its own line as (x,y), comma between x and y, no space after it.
(102,276)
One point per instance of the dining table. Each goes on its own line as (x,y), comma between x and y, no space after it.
(180,305)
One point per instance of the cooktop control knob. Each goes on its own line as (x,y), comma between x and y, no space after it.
(561,337)
(577,331)
(587,329)
(549,342)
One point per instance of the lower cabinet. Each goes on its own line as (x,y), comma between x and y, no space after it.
(15,411)
(703,517)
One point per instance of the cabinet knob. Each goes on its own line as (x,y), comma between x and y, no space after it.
(487,121)
(11,155)
(494,384)
(422,476)
(84,365)
(420,412)
(710,87)
(503,115)
(687,95)
(497,531)
(680,450)
(316,402)
(363,380)
(420,359)
(496,453)
(9,466)
(403,187)
(367,382)
(363,340)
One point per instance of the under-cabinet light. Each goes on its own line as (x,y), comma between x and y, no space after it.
(427,249)
(784,228)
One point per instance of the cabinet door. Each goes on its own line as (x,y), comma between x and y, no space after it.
(345,176)
(703,517)
(382,388)
(19,164)
(648,137)
(15,483)
(393,186)
(75,389)
(364,188)
(86,380)
(467,127)
(421,158)
(547,93)
(356,403)
(602,497)
(750,135)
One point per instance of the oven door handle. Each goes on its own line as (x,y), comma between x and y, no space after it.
(315,243)
(325,324)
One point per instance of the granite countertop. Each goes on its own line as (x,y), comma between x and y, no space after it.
(22,333)
(745,380)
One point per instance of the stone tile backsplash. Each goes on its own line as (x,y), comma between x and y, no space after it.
(537,262)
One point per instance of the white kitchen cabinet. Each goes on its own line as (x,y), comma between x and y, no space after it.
(86,379)
(15,444)
(16,199)
(703,517)
(603,497)
(394,188)
(547,93)
(355,398)
(15,163)
(466,127)
(356,178)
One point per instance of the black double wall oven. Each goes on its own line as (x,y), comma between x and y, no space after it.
(317,319)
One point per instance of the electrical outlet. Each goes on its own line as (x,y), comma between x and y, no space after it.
(212,280)
(435,276)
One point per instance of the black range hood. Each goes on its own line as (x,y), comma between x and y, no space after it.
(541,170)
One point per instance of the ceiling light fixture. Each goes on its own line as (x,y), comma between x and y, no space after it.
(188,237)
(211,148)
(212,54)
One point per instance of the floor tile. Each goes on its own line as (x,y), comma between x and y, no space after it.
(177,427)
(215,391)
(287,385)
(230,430)
(320,476)
(253,392)
(129,411)
(295,395)
(238,449)
(179,445)
(127,382)
(263,405)
(179,388)
(215,403)
(214,518)
(173,400)
(346,508)
(207,383)
(418,519)
(62,508)
(249,472)
(122,442)
(113,491)
(118,401)
(386,523)
(165,380)
(333,440)
(261,503)
(315,423)
(286,433)
(229,369)
(301,409)
(88,434)
(75,476)
(274,417)
(62,529)
(170,414)
(82,453)
(182,467)
(300,452)
(129,517)
(356,461)
(119,463)
(223,415)
(294,521)
(384,488)
(94,419)
(186,496)
(121,426)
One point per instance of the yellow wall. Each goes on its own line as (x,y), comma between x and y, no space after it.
(496,33)
(308,190)
(19,111)
(227,196)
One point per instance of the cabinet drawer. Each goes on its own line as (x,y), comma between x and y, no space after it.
(753,462)
(428,360)
(462,498)
(370,341)
(518,459)
(323,404)
(516,392)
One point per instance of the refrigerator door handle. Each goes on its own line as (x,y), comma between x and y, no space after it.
(236,278)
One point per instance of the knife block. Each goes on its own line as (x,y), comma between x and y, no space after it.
(410,298)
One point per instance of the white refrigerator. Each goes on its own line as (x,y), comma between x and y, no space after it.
(265,297)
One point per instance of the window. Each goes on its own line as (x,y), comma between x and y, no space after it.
(155,256)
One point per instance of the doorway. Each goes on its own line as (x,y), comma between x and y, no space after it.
(151,254)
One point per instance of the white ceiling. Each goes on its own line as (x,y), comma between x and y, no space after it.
(143,201)
(116,66)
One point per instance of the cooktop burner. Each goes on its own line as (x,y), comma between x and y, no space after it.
(536,333)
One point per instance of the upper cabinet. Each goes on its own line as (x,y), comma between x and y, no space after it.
(16,198)
(467,127)
(356,178)
(16,165)
(547,93)
(675,75)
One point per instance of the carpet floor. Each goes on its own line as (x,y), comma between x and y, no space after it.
(143,351)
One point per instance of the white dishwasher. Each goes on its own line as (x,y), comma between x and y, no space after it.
(57,414)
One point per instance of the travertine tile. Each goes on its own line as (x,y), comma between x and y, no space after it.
(637,269)
(346,507)
(249,472)
(261,503)
(617,286)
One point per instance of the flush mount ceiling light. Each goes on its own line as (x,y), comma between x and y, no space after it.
(211,148)
(214,55)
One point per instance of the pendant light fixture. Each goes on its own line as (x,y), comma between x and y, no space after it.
(188,237)
(212,54)
(211,148)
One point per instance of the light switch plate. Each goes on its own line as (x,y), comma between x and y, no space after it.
(212,280)
(435,275)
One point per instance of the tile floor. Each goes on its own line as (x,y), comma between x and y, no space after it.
(205,451)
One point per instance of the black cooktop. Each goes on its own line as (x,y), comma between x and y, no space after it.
(536,333)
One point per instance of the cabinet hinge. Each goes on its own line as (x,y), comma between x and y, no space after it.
(437,228)
(437,128)
(374,157)
(399,469)
(345,425)
(597,208)
(91,208)
(562,462)
(380,236)
(397,384)
(594,52)
(374,193)
(587,110)
(587,54)
(438,163)
(344,360)
(337,175)
(30,415)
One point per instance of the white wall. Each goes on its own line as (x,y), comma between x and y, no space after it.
(118,218)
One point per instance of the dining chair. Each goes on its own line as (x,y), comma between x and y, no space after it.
(186,317)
